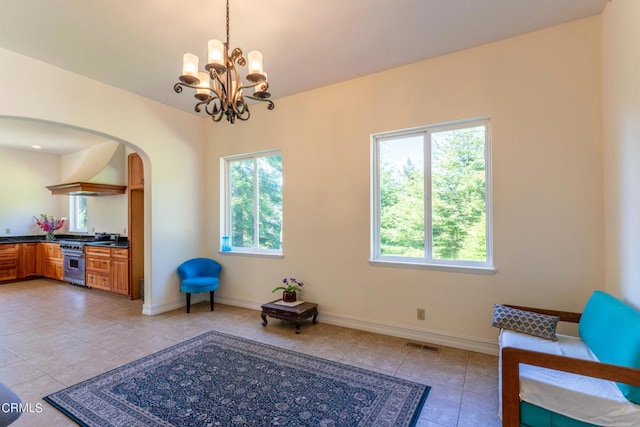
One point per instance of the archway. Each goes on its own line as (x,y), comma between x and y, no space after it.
(21,132)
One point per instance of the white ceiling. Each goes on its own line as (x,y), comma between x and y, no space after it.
(50,138)
(137,45)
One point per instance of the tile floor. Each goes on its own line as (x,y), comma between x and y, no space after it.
(53,335)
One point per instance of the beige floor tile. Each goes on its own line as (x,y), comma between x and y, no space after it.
(421,365)
(479,409)
(67,334)
(18,373)
(442,406)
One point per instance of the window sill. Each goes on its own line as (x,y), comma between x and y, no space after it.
(253,254)
(438,267)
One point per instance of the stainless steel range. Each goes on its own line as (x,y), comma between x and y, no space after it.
(74,257)
(73,261)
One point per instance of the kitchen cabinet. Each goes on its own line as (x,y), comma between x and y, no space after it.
(136,225)
(98,266)
(120,272)
(9,257)
(28,260)
(49,261)
(41,254)
(136,172)
(108,269)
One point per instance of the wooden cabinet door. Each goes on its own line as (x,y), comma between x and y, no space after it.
(98,281)
(99,264)
(28,261)
(54,251)
(58,273)
(136,172)
(98,261)
(120,274)
(9,256)
(41,256)
(53,269)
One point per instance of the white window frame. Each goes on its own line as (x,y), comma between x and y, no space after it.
(73,215)
(225,205)
(376,258)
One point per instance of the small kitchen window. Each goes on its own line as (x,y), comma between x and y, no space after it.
(78,214)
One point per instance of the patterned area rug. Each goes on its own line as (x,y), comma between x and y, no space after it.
(221,380)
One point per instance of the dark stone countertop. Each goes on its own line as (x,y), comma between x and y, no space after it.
(121,243)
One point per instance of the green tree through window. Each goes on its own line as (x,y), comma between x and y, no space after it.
(255,202)
(433,214)
(78,214)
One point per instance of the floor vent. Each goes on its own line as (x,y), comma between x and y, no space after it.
(423,347)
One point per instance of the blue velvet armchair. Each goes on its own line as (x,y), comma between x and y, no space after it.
(199,275)
(9,406)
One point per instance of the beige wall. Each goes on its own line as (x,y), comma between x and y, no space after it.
(23,177)
(170,143)
(543,94)
(621,125)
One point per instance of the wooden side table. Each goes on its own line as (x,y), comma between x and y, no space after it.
(296,313)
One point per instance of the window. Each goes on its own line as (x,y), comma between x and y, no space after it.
(252,204)
(431,196)
(78,214)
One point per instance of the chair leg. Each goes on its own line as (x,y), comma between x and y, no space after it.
(211,295)
(188,302)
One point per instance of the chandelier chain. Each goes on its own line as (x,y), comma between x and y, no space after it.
(228,45)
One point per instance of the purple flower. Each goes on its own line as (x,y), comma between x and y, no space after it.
(291,285)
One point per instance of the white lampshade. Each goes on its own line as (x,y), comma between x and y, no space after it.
(190,65)
(216,52)
(255,62)
(203,92)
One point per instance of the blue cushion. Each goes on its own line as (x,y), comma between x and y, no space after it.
(611,329)
(199,284)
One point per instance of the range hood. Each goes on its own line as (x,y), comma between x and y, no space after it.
(86,189)
(96,171)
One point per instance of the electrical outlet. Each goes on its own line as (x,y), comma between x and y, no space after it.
(421,314)
(7,231)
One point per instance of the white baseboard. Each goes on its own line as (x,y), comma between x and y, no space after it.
(181,303)
(420,335)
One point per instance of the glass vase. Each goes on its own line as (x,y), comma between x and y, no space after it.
(226,245)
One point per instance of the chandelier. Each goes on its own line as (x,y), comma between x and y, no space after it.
(219,89)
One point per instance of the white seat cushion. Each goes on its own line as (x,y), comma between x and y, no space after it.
(583,398)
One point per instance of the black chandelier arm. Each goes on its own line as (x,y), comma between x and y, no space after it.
(245,118)
(197,108)
(270,104)
(214,109)
(249,86)
(178,86)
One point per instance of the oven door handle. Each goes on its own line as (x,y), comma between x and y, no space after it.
(73,254)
